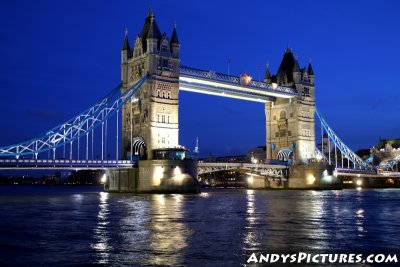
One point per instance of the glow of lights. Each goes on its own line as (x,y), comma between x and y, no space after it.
(310,179)
(274,85)
(335,173)
(246,78)
(254,160)
(250,180)
(103,178)
(158,175)
(358,175)
(358,182)
(177,171)
(319,157)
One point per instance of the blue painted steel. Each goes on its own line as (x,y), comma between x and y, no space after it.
(75,127)
(344,149)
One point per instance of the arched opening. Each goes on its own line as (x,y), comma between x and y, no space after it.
(139,149)
(285,155)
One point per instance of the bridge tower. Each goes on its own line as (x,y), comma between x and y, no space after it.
(150,120)
(290,122)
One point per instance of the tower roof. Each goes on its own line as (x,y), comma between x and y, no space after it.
(174,37)
(287,65)
(150,29)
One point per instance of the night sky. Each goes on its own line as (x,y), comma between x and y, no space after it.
(59,57)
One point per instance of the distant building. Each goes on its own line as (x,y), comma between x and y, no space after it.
(257,154)
(386,149)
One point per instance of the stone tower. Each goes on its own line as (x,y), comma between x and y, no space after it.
(290,122)
(150,119)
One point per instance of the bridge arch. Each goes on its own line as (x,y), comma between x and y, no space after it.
(285,154)
(139,148)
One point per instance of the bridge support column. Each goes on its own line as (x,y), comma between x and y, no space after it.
(312,176)
(155,176)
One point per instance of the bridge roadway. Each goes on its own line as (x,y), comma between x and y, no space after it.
(213,83)
(64,164)
(278,171)
(365,173)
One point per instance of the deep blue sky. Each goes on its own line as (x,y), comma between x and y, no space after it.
(59,57)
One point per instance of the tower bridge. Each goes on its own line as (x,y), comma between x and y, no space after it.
(148,156)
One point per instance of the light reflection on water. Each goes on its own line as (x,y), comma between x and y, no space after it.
(100,233)
(216,227)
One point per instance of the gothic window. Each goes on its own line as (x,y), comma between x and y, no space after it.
(158,93)
(165,63)
(169,95)
(163,118)
(163,94)
(167,118)
(158,117)
(282,115)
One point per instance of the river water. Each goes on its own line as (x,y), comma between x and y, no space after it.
(59,226)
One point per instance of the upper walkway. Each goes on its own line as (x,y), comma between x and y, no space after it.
(214,83)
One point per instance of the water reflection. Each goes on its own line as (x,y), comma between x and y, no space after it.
(251,235)
(168,232)
(101,235)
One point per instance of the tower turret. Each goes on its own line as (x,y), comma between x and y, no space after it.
(267,77)
(126,49)
(310,73)
(296,71)
(175,46)
(125,55)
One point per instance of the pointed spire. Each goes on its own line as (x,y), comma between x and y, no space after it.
(267,77)
(288,49)
(150,13)
(174,37)
(310,70)
(296,67)
(125,45)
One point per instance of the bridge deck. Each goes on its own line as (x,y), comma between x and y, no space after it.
(15,164)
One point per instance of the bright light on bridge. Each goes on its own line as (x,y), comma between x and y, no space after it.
(103,178)
(310,179)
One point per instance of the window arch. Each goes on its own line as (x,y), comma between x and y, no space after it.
(282,115)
